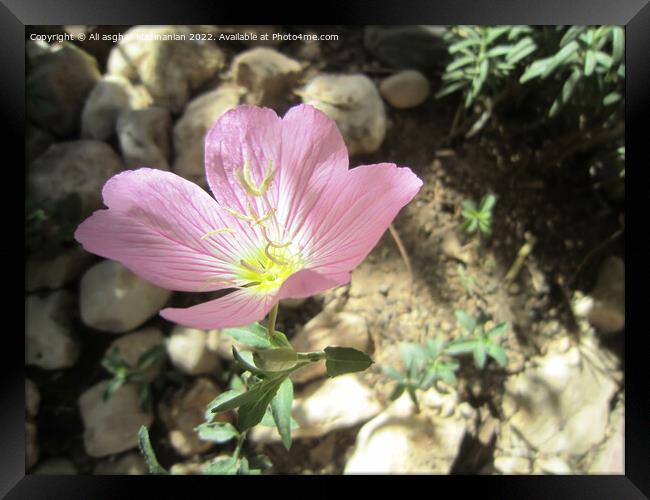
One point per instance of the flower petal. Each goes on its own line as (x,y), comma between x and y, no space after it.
(352,215)
(307,282)
(154,226)
(238,308)
(305,147)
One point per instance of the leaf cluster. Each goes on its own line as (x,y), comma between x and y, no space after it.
(478,218)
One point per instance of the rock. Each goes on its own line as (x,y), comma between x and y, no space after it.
(115,300)
(451,247)
(134,345)
(607,309)
(31,444)
(168,63)
(401,441)
(57,86)
(131,464)
(110,96)
(267,74)
(329,329)
(56,467)
(36,48)
(32,398)
(36,142)
(561,404)
(111,426)
(406,89)
(188,468)
(609,458)
(144,136)
(186,412)
(190,130)
(419,47)
(323,452)
(48,338)
(222,344)
(325,406)
(56,272)
(551,465)
(355,104)
(189,352)
(512,465)
(76,168)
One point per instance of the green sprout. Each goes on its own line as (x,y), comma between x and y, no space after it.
(481,343)
(478,219)
(124,373)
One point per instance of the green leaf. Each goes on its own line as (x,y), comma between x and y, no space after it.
(255,335)
(611,98)
(218,432)
(434,346)
(463,44)
(152,357)
(276,360)
(281,410)
(618,44)
(536,69)
(252,409)
(494,33)
(147,451)
(459,63)
(413,355)
(340,360)
(465,321)
(497,331)
(413,395)
(397,392)
(279,339)
(446,373)
(522,48)
(479,355)
(449,89)
(495,351)
(244,363)
(590,62)
(245,470)
(222,399)
(603,59)
(461,346)
(571,34)
(570,85)
(222,465)
(112,387)
(488,203)
(393,373)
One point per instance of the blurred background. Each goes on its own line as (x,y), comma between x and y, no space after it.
(518,135)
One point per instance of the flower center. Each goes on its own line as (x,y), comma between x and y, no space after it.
(266,270)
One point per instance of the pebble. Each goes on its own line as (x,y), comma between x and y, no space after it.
(354,103)
(131,464)
(133,345)
(189,352)
(145,137)
(114,300)
(406,89)
(57,271)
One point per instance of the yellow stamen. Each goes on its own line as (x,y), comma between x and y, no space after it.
(216,231)
(279,262)
(234,213)
(249,185)
(251,267)
(264,218)
(273,243)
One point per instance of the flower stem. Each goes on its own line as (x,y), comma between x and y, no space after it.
(273,315)
(240,442)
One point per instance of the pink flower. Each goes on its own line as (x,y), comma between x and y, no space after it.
(289,220)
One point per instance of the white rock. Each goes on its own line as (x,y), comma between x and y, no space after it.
(48,341)
(134,345)
(451,247)
(512,465)
(355,104)
(189,132)
(57,86)
(608,311)
(73,168)
(171,69)
(325,406)
(188,351)
(222,344)
(551,465)
(329,329)
(561,405)
(267,74)
(110,96)
(32,398)
(56,272)
(185,412)
(111,426)
(56,467)
(31,444)
(145,137)
(610,456)
(406,89)
(131,464)
(401,441)
(115,300)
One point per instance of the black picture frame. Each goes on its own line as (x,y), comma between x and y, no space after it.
(634,14)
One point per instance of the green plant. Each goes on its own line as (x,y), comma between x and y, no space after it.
(425,365)
(466,280)
(139,374)
(478,219)
(479,341)
(482,57)
(49,226)
(590,60)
